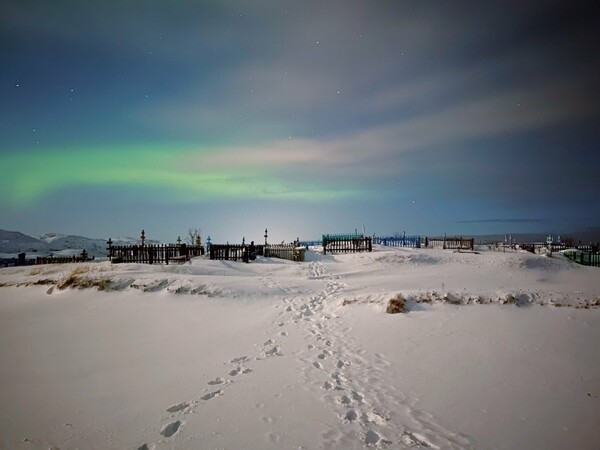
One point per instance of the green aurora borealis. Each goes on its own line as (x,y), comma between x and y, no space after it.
(29,176)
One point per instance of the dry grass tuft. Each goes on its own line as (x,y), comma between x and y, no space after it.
(396,305)
(74,279)
(509,299)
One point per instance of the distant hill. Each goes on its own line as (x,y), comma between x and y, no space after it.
(14,242)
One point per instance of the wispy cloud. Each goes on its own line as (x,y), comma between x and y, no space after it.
(487,116)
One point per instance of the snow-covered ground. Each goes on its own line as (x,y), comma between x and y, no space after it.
(497,350)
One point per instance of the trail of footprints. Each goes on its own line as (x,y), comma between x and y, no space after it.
(353,386)
(333,361)
(178,411)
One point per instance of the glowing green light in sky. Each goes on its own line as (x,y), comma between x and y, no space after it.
(28,176)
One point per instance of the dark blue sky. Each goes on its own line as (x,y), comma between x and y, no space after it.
(304,117)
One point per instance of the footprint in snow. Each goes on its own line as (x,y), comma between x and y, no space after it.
(324,354)
(341,364)
(170,429)
(412,438)
(212,395)
(178,407)
(328,386)
(238,370)
(270,348)
(274,351)
(219,381)
(372,438)
(374,417)
(344,400)
(357,396)
(350,416)
(239,360)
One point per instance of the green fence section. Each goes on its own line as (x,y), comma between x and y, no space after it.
(585,258)
(341,237)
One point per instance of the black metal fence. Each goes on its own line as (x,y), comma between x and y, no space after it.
(451,242)
(229,252)
(344,243)
(153,254)
(14,262)
(62,259)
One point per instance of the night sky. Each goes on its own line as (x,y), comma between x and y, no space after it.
(306,117)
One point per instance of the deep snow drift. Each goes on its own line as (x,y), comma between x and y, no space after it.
(497,350)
